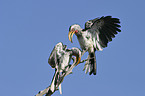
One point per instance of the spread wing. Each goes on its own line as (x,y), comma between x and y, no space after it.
(102,30)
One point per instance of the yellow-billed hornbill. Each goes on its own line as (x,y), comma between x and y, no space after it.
(59,59)
(96,35)
(60,56)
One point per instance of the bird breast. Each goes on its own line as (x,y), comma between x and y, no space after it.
(85,40)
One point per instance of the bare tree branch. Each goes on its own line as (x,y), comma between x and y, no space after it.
(68,71)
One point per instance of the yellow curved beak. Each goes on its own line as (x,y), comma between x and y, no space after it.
(78,59)
(70,36)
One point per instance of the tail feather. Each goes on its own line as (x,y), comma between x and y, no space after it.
(90,65)
(55,82)
(87,66)
(92,62)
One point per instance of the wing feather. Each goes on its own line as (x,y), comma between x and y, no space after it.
(105,28)
(56,54)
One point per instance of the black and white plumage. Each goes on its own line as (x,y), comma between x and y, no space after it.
(60,56)
(96,35)
(59,59)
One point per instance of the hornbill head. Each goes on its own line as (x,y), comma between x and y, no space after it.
(77,53)
(74,29)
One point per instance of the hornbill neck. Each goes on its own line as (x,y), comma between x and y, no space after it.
(77,53)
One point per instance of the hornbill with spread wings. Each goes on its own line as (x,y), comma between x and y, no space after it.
(59,59)
(96,35)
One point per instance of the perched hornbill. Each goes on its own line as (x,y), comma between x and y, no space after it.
(59,59)
(60,56)
(96,35)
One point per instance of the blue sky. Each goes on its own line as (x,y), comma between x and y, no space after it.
(29,29)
